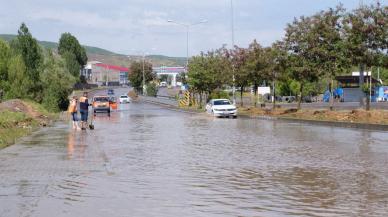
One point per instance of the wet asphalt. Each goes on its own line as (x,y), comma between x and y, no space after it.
(146,160)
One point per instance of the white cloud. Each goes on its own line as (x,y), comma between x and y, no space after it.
(123,25)
(83,19)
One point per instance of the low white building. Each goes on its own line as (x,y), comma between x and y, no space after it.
(99,73)
(169,71)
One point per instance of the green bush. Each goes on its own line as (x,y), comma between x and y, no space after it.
(219,95)
(152,90)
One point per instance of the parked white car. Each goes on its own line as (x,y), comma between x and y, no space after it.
(124,99)
(221,108)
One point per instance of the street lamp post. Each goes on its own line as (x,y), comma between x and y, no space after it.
(232,26)
(143,72)
(107,75)
(144,86)
(187,26)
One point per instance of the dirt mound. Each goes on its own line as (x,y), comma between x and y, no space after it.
(133,95)
(17,105)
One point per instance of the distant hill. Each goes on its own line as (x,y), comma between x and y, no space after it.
(54,45)
(109,57)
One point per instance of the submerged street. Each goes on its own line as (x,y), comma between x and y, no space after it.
(146,160)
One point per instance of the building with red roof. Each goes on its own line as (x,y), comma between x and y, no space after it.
(105,74)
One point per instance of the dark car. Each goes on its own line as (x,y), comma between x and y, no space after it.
(111,92)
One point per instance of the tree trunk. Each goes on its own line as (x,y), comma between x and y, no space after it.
(331,100)
(200,99)
(300,96)
(241,96)
(361,83)
(367,106)
(255,95)
(273,96)
(369,85)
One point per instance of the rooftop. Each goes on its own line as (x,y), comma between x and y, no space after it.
(112,67)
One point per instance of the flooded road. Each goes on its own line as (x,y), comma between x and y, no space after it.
(148,161)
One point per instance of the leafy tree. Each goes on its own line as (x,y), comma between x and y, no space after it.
(301,43)
(259,65)
(330,48)
(71,63)
(276,68)
(136,74)
(4,58)
(208,72)
(239,58)
(152,89)
(201,76)
(69,43)
(18,79)
(255,65)
(30,51)
(58,84)
(73,53)
(365,32)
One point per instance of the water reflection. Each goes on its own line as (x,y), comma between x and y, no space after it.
(147,161)
(76,145)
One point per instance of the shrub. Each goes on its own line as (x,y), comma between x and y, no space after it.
(219,95)
(152,90)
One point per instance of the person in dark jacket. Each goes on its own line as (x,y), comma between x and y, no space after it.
(84,110)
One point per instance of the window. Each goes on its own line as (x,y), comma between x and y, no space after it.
(221,102)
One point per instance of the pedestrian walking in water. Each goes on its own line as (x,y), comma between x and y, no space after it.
(84,110)
(74,112)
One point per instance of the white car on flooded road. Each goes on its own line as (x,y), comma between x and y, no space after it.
(221,108)
(124,99)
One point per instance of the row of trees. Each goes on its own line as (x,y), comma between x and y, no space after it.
(28,71)
(314,49)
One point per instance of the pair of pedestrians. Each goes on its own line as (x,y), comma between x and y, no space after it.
(83,105)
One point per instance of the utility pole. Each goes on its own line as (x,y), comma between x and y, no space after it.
(187,47)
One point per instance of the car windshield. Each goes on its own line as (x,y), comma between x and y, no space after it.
(221,102)
(101,99)
(123,96)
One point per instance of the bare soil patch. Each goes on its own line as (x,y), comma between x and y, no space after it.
(17,105)
(353,116)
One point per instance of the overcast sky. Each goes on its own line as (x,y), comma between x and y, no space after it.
(130,26)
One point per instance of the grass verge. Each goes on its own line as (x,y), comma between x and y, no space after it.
(20,118)
(14,125)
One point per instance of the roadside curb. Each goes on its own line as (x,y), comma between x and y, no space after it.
(351,125)
(365,126)
(168,106)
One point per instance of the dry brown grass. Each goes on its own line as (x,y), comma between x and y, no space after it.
(354,116)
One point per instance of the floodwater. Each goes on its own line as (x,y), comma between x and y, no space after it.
(148,161)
